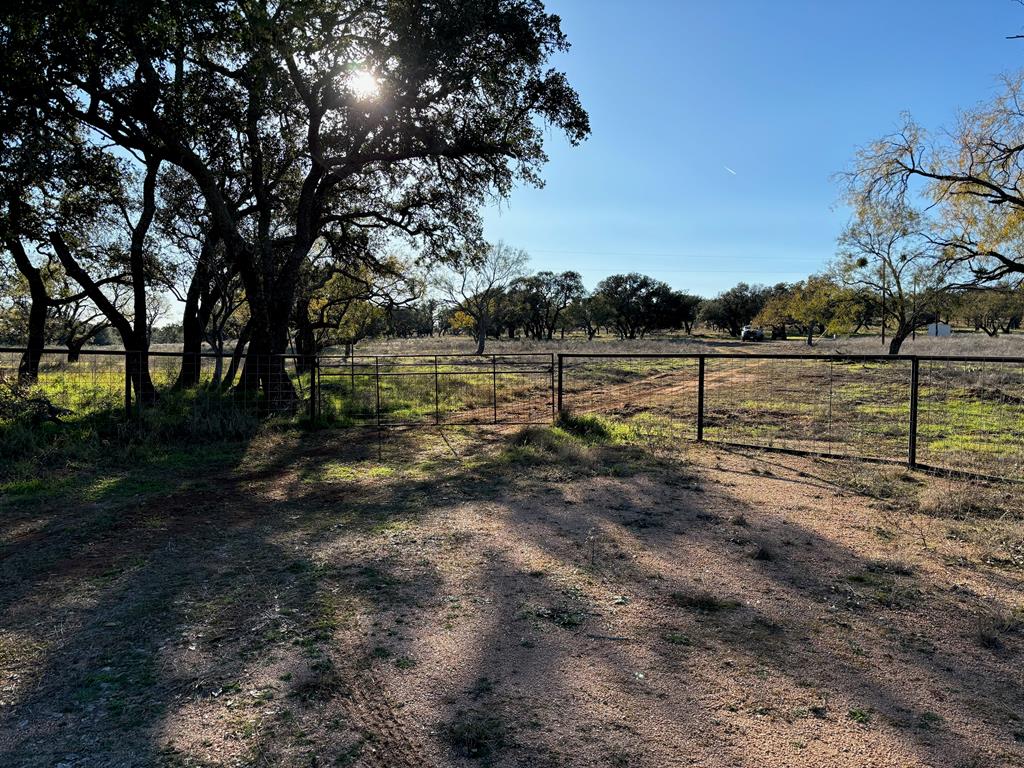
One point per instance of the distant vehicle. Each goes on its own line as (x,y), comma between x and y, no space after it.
(750,333)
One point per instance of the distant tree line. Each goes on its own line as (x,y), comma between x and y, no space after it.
(503,301)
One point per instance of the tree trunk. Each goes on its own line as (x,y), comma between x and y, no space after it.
(28,368)
(218,364)
(138,369)
(75,349)
(305,343)
(897,341)
(236,357)
(264,368)
(481,337)
(192,329)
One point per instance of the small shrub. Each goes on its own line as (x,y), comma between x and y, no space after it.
(891,567)
(322,682)
(703,600)
(764,553)
(476,735)
(964,500)
(21,402)
(563,616)
(541,445)
(589,428)
(483,686)
(897,488)
(861,716)
(887,583)
(994,626)
(676,638)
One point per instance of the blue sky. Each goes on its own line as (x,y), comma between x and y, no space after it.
(780,92)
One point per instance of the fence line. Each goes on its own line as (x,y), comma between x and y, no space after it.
(930,411)
(961,413)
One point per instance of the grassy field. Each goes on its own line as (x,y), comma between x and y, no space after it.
(597,593)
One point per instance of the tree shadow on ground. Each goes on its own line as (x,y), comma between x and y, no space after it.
(825,616)
(522,601)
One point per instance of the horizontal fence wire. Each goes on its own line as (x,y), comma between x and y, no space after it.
(966,414)
(969,414)
(390,390)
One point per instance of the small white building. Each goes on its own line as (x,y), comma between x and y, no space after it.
(939,329)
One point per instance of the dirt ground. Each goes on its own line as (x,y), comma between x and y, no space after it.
(513,599)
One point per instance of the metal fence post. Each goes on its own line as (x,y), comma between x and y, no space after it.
(494,385)
(915,377)
(561,370)
(437,394)
(376,366)
(700,398)
(554,413)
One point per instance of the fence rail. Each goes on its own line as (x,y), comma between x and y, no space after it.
(963,414)
(947,412)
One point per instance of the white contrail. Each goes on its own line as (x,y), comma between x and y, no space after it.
(730,170)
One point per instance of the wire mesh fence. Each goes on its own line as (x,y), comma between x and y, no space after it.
(414,390)
(971,415)
(83,384)
(955,413)
(202,393)
(644,391)
(207,392)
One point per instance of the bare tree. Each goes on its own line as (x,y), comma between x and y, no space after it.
(476,287)
(971,176)
(886,250)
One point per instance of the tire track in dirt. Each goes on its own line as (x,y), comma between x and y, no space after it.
(391,743)
(654,389)
(659,388)
(614,397)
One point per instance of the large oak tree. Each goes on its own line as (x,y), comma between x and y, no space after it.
(299,117)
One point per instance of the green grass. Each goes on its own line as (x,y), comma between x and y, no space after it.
(859,716)
(335,471)
(856,408)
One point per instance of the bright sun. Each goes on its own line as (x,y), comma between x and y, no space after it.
(363,84)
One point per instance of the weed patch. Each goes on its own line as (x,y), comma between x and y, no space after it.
(477,735)
(703,600)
